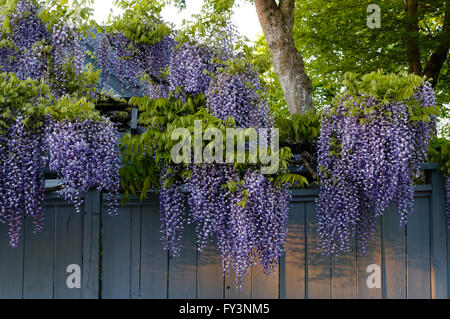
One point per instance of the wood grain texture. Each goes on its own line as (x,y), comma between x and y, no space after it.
(438,244)
(116,257)
(344,275)
(154,260)
(39,258)
(183,269)
(210,279)
(11,266)
(264,286)
(90,287)
(293,263)
(68,249)
(394,255)
(232,292)
(135,261)
(372,256)
(418,251)
(318,265)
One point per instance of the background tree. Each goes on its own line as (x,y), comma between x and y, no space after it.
(334,38)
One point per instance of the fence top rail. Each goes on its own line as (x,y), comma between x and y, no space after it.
(304,192)
(296,169)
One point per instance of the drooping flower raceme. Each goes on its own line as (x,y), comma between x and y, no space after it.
(447,202)
(90,158)
(21,170)
(366,159)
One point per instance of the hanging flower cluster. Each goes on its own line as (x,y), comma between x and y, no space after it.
(90,158)
(248,220)
(367,153)
(22,178)
(447,202)
(42,118)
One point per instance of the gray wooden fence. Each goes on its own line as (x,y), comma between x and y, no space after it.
(121,256)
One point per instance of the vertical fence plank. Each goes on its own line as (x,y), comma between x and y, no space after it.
(264,286)
(438,232)
(11,266)
(292,265)
(154,260)
(372,257)
(91,246)
(68,249)
(231,292)
(418,250)
(210,280)
(38,257)
(135,262)
(318,265)
(343,274)
(183,269)
(116,257)
(394,255)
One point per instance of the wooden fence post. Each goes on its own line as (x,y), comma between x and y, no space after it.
(438,240)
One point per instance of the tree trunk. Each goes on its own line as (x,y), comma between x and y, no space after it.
(412,39)
(277,22)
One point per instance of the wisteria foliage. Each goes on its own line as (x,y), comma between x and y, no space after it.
(366,161)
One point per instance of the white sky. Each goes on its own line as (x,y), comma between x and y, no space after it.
(245,17)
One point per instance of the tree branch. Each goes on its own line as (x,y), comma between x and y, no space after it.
(437,59)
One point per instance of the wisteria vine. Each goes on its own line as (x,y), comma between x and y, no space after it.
(247,221)
(367,153)
(43,67)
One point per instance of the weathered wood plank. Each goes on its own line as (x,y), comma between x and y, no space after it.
(116,257)
(68,249)
(210,280)
(293,263)
(38,257)
(343,275)
(154,260)
(91,246)
(318,268)
(135,266)
(438,229)
(418,250)
(264,286)
(183,269)
(11,266)
(231,292)
(372,257)
(394,255)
